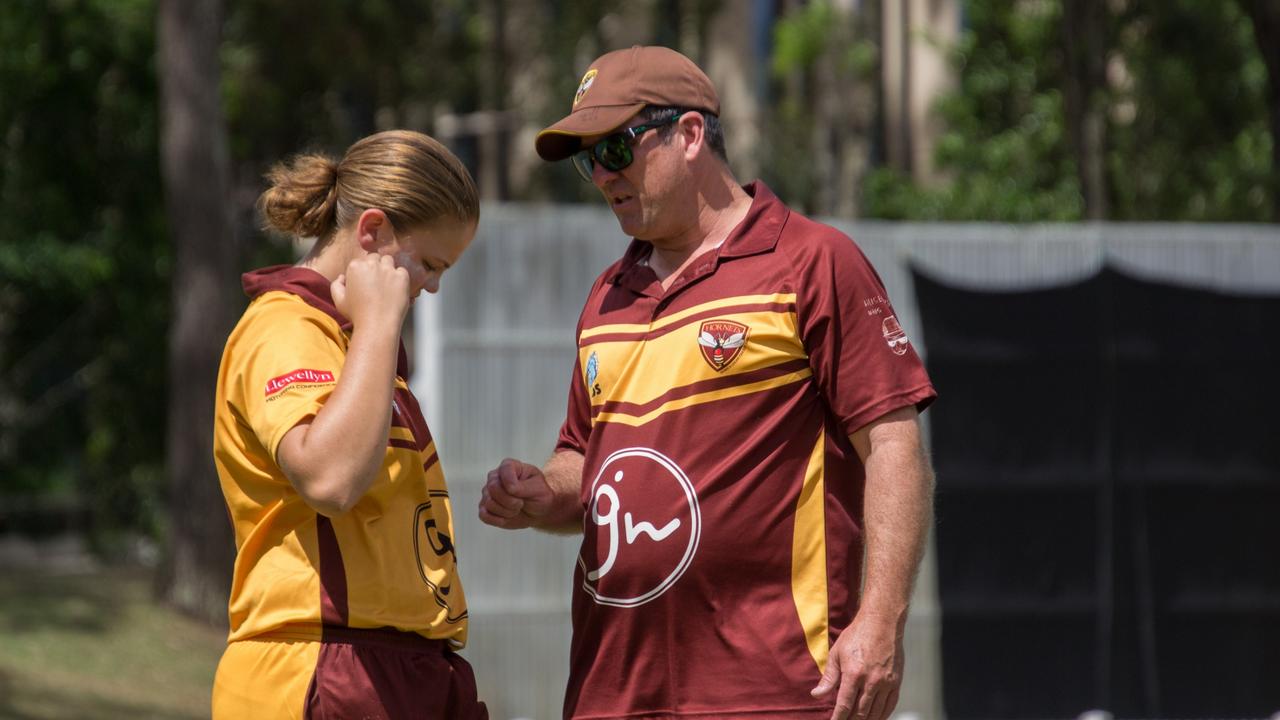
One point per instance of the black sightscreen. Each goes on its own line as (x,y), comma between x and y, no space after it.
(1108,518)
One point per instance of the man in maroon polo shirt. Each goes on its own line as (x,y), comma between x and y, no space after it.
(742,427)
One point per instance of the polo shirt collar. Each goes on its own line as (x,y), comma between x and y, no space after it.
(306,283)
(759,230)
(313,289)
(757,233)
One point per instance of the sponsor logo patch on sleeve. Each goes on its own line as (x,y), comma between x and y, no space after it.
(298,377)
(894,335)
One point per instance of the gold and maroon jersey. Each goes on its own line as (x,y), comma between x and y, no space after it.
(387,563)
(723,500)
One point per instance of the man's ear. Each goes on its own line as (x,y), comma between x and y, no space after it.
(693,128)
(369,228)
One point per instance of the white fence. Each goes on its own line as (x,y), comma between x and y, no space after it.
(494,354)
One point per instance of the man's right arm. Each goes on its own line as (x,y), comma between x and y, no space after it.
(518,495)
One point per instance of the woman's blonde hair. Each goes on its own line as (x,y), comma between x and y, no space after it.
(408,175)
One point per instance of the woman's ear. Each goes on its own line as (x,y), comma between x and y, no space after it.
(369,229)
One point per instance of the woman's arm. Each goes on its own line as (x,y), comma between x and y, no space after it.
(333,459)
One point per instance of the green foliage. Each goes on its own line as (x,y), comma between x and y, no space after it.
(569,38)
(801,37)
(1004,149)
(83,311)
(787,166)
(816,32)
(1191,139)
(304,75)
(818,51)
(800,40)
(1187,135)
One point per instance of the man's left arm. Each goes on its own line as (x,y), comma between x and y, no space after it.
(864,668)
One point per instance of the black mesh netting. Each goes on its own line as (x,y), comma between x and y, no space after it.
(1108,532)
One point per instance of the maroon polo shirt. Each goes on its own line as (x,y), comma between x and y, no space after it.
(722,552)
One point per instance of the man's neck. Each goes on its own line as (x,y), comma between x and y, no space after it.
(719,212)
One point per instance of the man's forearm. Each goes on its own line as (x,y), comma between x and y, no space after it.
(898,510)
(564,477)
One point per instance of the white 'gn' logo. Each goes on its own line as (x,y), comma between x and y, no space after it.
(642,530)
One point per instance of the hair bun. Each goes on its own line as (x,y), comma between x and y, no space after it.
(302,198)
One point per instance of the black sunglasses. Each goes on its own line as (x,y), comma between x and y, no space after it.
(614,152)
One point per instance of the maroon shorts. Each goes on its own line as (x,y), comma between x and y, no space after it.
(393,675)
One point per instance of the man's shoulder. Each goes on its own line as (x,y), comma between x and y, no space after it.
(802,230)
(805,240)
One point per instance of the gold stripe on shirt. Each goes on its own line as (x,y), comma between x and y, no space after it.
(643,370)
(674,318)
(624,418)
(809,557)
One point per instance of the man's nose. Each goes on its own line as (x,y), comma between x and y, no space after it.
(601,175)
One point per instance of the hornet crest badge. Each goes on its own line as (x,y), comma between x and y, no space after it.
(721,342)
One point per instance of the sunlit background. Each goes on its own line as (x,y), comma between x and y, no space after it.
(1071,202)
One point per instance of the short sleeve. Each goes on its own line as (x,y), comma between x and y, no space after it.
(575,432)
(286,360)
(576,429)
(862,360)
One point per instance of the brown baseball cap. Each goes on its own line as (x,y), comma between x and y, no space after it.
(621,83)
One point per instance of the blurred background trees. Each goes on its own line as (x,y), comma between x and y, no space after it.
(1100,110)
(84,268)
(1036,110)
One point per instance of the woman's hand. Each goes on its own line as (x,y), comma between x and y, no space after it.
(372,291)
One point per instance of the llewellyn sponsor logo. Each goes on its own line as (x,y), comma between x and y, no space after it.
(308,377)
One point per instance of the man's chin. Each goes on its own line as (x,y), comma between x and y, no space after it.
(629,225)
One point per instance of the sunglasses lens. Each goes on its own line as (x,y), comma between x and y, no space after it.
(583,164)
(614,152)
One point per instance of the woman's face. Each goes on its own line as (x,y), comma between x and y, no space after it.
(427,251)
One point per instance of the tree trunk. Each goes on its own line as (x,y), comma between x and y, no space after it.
(1265,15)
(196,573)
(1084,33)
(493,140)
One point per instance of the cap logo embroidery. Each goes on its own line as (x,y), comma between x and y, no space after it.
(584,86)
(721,342)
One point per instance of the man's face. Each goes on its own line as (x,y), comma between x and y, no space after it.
(639,194)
